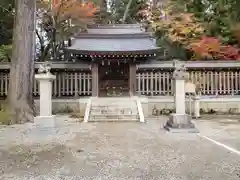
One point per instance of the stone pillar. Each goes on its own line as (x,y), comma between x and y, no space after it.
(196,106)
(95,80)
(179,97)
(180,121)
(45,118)
(132,79)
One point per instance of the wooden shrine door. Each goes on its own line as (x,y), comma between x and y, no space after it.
(114,79)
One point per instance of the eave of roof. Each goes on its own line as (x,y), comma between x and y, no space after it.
(112,53)
(107,44)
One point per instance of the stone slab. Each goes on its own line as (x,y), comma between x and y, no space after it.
(45,121)
(181,130)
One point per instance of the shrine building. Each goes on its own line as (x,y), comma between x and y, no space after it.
(113,52)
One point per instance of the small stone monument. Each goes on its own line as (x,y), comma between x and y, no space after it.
(196,99)
(45,78)
(180,121)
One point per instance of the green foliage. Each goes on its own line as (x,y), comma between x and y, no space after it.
(6,29)
(171,50)
(6,21)
(64,110)
(4,120)
(219,16)
(5,53)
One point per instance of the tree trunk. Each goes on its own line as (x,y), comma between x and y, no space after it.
(127,11)
(20,100)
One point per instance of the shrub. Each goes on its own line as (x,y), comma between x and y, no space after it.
(63,110)
(4,120)
(5,52)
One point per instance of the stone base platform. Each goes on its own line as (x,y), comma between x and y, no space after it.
(183,130)
(45,121)
(180,123)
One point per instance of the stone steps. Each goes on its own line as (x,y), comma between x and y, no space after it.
(107,103)
(113,109)
(113,118)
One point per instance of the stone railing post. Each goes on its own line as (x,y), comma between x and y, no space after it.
(45,78)
(196,100)
(180,120)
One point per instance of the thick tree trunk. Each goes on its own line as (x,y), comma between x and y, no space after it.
(20,100)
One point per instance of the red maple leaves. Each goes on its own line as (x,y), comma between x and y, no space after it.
(211,48)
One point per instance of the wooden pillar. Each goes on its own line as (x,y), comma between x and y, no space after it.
(132,79)
(95,82)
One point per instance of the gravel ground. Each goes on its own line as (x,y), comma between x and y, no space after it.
(121,151)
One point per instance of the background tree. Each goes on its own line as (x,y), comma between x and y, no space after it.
(127,11)
(189,24)
(6,29)
(6,21)
(175,29)
(58,22)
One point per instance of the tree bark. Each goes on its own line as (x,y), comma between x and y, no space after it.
(20,101)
